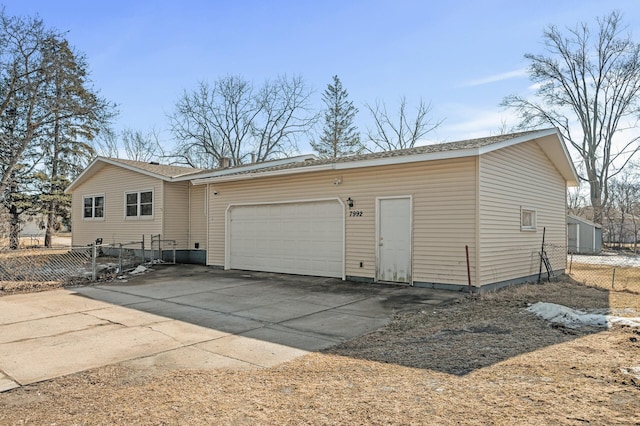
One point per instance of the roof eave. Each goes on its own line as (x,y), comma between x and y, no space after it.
(343,166)
(431,156)
(561,159)
(90,170)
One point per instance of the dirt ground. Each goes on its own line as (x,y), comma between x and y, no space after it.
(482,360)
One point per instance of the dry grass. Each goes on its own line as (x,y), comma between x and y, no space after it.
(602,276)
(484,360)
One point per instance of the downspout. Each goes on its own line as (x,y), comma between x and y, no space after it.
(206,218)
(477,233)
(190,242)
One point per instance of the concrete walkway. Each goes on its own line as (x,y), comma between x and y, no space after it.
(187,316)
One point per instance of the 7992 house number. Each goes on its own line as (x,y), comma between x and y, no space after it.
(356,213)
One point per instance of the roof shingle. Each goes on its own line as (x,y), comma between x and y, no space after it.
(158,169)
(426,149)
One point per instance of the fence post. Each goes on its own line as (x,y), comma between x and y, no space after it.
(571,262)
(94,268)
(143,255)
(120,259)
(466,248)
(613,278)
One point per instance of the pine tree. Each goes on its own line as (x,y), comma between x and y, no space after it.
(77,114)
(339,135)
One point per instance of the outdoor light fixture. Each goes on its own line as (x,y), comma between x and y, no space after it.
(350,202)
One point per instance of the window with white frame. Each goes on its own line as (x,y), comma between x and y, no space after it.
(93,207)
(139,204)
(527,219)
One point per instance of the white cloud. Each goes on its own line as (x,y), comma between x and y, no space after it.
(466,122)
(522,72)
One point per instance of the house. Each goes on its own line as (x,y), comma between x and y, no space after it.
(407,216)
(583,237)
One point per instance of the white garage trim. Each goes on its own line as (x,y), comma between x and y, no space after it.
(230,207)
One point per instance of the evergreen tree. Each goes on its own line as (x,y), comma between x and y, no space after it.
(339,136)
(77,115)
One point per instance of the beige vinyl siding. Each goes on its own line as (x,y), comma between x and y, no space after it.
(510,179)
(113,182)
(198,217)
(176,213)
(444,201)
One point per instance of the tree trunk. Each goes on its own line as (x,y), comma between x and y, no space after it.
(596,202)
(621,231)
(14,228)
(51,218)
(53,187)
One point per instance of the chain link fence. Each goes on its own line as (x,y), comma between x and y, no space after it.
(29,267)
(617,270)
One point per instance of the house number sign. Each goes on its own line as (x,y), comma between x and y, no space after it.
(355,213)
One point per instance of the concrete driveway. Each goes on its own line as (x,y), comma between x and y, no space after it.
(187,316)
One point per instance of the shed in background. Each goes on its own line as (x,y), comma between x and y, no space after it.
(583,237)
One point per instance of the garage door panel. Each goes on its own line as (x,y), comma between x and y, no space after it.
(299,238)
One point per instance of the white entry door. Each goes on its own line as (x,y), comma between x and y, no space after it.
(394,240)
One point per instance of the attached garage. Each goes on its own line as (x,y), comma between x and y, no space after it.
(439,216)
(443,215)
(303,237)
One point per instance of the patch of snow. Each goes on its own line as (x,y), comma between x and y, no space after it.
(608,259)
(573,318)
(632,371)
(139,270)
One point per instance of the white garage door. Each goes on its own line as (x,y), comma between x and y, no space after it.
(294,238)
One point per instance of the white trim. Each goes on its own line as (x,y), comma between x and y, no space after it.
(477,276)
(93,208)
(255,166)
(190,237)
(206,218)
(188,174)
(245,176)
(431,156)
(377,240)
(534,219)
(139,216)
(578,238)
(227,225)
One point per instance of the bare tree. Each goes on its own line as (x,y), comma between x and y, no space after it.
(141,147)
(588,85)
(23,109)
(624,193)
(231,119)
(392,133)
(106,144)
(48,112)
(577,202)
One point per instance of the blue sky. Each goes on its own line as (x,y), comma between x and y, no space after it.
(462,56)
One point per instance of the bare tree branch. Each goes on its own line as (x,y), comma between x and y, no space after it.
(231,119)
(594,81)
(391,133)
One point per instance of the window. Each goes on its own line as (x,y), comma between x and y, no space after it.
(139,204)
(93,207)
(527,219)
